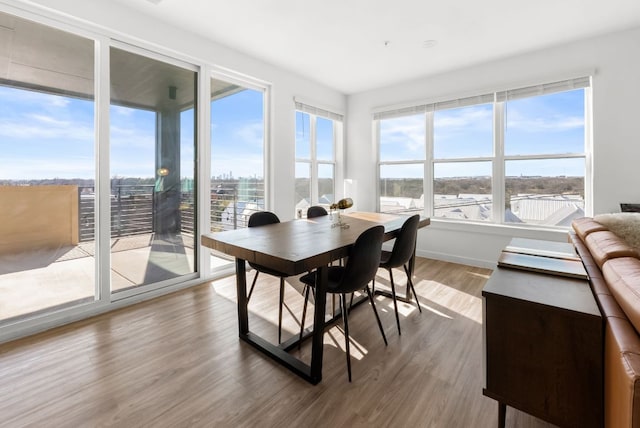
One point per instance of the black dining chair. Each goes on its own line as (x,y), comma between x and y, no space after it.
(263,218)
(360,269)
(403,249)
(316,211)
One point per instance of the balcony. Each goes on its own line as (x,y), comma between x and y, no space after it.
(49,262)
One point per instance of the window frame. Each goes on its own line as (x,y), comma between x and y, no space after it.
(337,125)
(498,159)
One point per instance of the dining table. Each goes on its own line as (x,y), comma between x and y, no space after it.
(295,247)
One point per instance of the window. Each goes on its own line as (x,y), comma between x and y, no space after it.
(462,162)
(153,148)
(532,171)
(402,163)
(544,145)
(237,157)
(317,133)
(47,179)
(77,234)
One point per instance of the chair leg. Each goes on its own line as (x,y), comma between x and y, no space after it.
(375,312)
(253,284)
(345,322)
(395,301)
(280,310)
(413,290)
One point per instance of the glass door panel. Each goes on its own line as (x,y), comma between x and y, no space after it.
(47,169)
(237,158)
(152,170)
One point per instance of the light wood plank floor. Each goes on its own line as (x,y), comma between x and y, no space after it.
(176,361)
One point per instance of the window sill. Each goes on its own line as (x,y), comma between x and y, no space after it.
(499,229)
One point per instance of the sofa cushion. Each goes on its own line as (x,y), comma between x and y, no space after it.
(625,225)
(585,225)
(623,276)
(605,245)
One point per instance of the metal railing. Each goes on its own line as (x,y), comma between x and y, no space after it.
(133,208)
(132,211)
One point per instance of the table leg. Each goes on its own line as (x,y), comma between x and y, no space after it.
(502,414)
(318,323)
(241,290)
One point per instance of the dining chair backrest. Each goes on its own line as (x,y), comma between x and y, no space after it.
(363,261)
(316,211)
(262,218)
(405,243)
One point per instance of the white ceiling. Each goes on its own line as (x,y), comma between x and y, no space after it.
(341,43)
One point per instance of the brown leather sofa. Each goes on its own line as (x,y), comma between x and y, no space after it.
(614,273)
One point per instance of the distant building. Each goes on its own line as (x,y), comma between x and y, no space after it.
(551,210)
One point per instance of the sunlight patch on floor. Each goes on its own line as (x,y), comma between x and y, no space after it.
(447,299)
(334,337)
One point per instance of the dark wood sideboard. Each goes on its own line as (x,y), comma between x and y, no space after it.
(543,340)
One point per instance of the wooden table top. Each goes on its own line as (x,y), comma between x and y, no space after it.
(298,246)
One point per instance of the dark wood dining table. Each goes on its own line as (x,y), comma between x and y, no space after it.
(295,247)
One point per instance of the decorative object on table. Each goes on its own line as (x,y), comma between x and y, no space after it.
(342,204)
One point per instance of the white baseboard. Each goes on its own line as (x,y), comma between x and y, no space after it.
(487,264)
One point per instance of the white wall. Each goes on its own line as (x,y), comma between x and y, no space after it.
(111,18)
(616,137)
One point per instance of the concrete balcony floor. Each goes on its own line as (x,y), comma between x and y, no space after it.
(48,278)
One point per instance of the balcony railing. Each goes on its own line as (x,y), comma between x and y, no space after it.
(132,208)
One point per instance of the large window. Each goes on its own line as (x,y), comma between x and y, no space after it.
(544,145)
(76,231)
(462,162)
(532,170)
(152,170)
(317,133)
(237,157)
(47,174)
(402,163)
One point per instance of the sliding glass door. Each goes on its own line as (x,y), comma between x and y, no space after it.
(237,157)
(152,164)
(47,169)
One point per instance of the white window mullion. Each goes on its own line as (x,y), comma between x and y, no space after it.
(314,159)
(588,149)
(103,184)
(498,179)
(428,166)
(376,132)
(203,164)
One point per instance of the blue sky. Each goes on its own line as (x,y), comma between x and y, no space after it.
(45,136)
(49,136)
(237,135)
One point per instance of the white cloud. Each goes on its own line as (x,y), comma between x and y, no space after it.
(18,169)
(122,111)
(45,127)
(251,133)
(537,124)
(407,132)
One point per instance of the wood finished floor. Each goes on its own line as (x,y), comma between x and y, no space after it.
(176,361)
